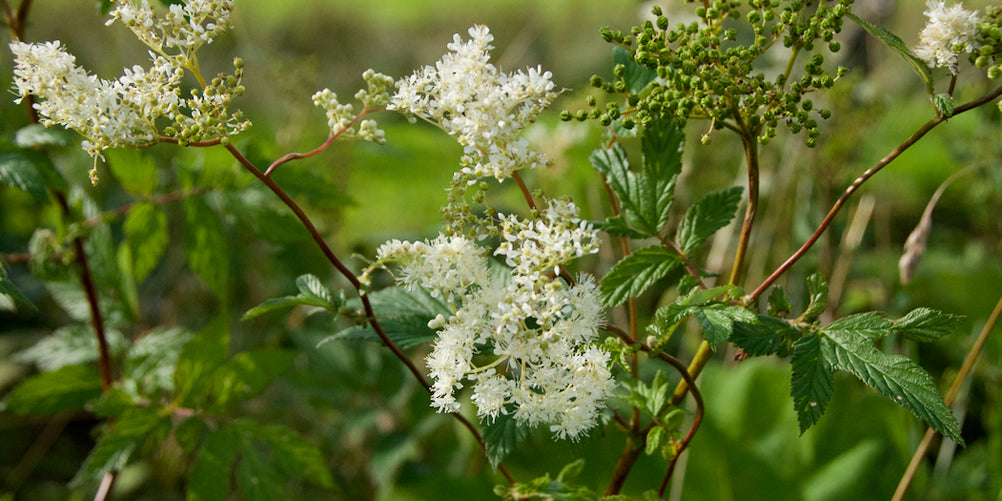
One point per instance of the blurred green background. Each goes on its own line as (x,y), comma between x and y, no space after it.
(372,421)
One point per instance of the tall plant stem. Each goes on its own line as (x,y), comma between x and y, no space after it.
(972,355)
(350,276)
(922,131)
(751,156)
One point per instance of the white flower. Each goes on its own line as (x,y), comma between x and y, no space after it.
(108,113)
(341,118)
(483,108)
(445,266)
(184,28)
(556,237)
(947,34)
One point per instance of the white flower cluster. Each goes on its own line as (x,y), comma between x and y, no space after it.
(533,332)
(341,118)
(184,27)
(107,113)
(482,107)
(130,110)
(533,246)
(947,34)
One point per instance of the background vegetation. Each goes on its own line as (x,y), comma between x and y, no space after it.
(356,403)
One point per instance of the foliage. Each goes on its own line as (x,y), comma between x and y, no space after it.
(152,313)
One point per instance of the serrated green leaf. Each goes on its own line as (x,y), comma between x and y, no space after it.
(700,297)
(199,358)
(812,382)
(146,233)
(943,103)
(65,389)
(654,438)
(38,136)
(636,272)
(667,318)
(405,331)
(645,198)
(248,374)
(9,289)
(662,142)
(18,171)
(116,447)
(258,479)
(707,216)
(501,437)
(873,325)
(819,297)
(764,336)
(311,287)
(779,303)
(717,321)
(211,471)
(898,378)
(134,169)
(293,455)
(112,403)
(925,324)
(151,361)
(898,46)
(617,226)
(205,245)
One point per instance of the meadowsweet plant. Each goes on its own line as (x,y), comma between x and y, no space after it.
(556,324)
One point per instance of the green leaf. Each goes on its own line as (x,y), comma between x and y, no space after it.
(258,479)
(637,77)
(654,437)
(205,245)
(812,382)
(501,437)
(135,170)
(405,331)
(924,324)
(70,345)
(111,404)
(211,471)
(701,297)
(146,233)
(9,289)
(116,447)
(635,273)
(896,377)
(645,198)
(617,226)
(651,398)
(707,216)
(944,104)
(38,136)
(312,292)
(151,361)
(779,303)
(198,361)
(819,297)
(65,389)
(717,321)
(17,170)
(891,40)
(873,325)
(764,336)
(292,454)
(662,143)
(248,374)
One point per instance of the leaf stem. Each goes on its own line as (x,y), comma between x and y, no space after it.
(751,155)
(972,355)
(525,190)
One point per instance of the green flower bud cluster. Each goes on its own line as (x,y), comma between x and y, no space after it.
(710,69)
(207,114)
(988,40)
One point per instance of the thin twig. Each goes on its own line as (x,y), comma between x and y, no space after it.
(525,190)
(751,155)
(972,355)
(357,285)
(330,139)
(922,131)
